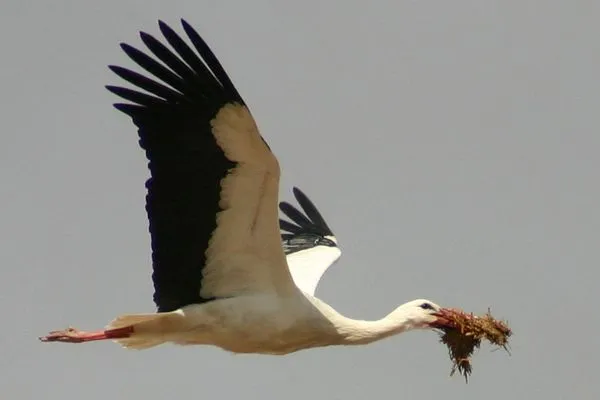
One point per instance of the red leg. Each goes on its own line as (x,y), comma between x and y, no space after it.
(72,335)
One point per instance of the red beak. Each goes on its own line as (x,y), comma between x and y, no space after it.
(442,320)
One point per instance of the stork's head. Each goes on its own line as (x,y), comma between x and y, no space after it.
(421,314)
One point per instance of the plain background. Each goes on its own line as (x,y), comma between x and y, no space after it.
(452,146)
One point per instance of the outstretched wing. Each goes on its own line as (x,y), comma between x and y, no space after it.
(213,191)
(308,242)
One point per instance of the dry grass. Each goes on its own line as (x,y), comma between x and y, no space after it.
(462,333)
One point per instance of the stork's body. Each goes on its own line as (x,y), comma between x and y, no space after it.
(221,276)
(263,324)
(232,325)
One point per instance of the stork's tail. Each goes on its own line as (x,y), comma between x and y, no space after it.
(149,330)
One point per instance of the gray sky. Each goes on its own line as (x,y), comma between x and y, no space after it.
(452,146)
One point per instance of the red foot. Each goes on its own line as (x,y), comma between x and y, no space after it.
(72,335)
(69,335)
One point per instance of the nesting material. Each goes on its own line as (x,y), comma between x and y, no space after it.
(462,333)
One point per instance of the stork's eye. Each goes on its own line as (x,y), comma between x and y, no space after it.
(427,306)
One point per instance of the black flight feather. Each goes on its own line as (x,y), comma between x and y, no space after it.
(306,230)
(185,162)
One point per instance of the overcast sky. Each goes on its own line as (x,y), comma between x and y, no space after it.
(453,147)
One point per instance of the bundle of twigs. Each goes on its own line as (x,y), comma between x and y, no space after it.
(463,332)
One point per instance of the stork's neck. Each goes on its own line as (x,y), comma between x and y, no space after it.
(353,331)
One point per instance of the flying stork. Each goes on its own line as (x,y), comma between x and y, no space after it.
(219,263)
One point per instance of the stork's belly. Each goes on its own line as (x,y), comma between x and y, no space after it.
(273,344)
(263,325)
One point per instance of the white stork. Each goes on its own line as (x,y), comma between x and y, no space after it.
(219,268)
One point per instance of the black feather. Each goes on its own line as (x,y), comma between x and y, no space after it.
(167,56)
(147,84)
(307,230)
(186,164)
(136,97)
(154,67)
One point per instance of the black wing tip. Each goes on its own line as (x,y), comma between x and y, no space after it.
(115,68)
(131,110)
(186,25)
(314,221)
(297,192)
(125,46)
(121,71)
(114,89)
(311,210)
(202,62)
(162,25)
(284,204)
(145,36)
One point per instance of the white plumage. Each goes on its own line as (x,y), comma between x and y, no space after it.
(309,244)
(219,264)
(308,266)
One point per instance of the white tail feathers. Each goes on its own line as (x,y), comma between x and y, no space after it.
(149,330)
